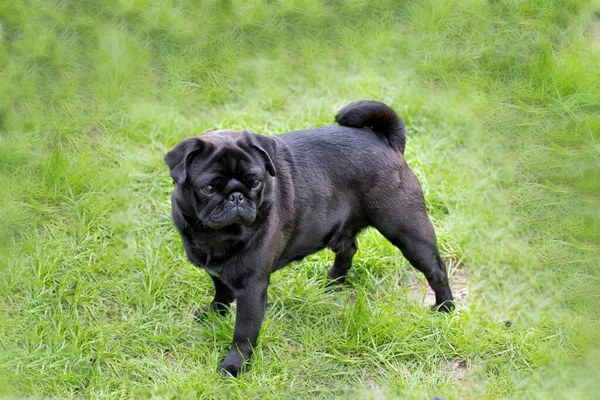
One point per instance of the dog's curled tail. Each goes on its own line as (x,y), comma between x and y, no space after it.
(377,116)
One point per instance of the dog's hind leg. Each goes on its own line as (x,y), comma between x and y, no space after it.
(344,252)
(404,222)
(424,256)
(418,245)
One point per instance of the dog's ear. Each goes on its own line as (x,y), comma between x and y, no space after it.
(267,148)
(178,159)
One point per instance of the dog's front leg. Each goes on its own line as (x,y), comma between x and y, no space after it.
(251,305)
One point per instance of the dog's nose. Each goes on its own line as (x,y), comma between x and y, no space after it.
(236,198)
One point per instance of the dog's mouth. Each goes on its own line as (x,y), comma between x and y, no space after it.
(233,227)
(230,221)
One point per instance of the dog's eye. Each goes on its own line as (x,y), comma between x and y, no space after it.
(208,189)
(256,184)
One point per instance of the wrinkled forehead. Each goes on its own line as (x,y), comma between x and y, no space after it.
(227,153)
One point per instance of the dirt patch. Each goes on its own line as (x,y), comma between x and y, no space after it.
(422,293)
(373,390)
(456,369)
(169,359)
(594,29)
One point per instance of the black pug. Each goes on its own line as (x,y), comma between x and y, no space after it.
(247,205)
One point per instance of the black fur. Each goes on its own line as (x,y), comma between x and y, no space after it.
(318,188)
(377,116)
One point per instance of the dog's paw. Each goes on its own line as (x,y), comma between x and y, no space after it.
(214,308)
(446,306)
(333,285)
(201,314)
(233,365)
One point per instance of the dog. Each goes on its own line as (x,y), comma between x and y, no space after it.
(247,205)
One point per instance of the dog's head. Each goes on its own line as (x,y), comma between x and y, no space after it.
(223,178)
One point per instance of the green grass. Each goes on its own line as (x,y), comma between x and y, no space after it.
(502,105)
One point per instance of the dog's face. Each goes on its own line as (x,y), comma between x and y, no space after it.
(222,179)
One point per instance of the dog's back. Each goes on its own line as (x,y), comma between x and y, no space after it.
(366,148)
(336,169)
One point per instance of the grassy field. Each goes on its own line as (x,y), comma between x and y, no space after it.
(502,105)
